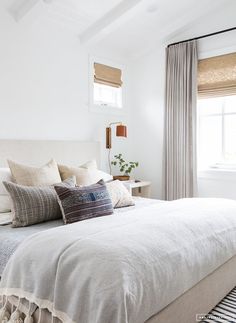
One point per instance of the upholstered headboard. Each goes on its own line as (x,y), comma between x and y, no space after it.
(39,152)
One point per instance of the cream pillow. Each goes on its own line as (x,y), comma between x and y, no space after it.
(83,176)
(119,194)
(35,176)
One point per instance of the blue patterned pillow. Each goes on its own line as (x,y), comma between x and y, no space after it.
(82,203)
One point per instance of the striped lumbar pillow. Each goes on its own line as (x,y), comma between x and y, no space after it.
(32,204)
(82,203)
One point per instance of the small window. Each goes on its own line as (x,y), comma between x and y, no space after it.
(107,86)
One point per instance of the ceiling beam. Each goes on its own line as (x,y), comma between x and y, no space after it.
(115,17)
(21,8)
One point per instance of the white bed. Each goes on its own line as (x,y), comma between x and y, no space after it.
(11,238)
(202,290)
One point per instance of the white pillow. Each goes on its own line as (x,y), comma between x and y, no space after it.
(5,218)
(83,176)
(91,164)
(5,203)
(119,194)
(5,175)
(35,176)
(105,176)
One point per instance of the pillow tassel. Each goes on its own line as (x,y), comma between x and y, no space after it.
(16,317)
(29,319)
(4,313)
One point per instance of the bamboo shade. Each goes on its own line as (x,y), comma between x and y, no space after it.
(217,76)
(107,75)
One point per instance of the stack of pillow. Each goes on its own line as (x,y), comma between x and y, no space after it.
(38,194)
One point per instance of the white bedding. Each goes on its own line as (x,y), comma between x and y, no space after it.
(123,269)
(6,217)
(11,238)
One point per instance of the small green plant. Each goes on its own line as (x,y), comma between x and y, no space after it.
(125,167)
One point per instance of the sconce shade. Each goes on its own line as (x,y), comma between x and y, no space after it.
(121,131)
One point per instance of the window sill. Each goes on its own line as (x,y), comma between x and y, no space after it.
(217,174)
(101,109)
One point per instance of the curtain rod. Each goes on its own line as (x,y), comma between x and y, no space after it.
(203,36)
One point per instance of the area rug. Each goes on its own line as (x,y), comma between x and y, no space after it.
(224,312)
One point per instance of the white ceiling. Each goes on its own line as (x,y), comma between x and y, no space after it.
(127,27)
(145,29)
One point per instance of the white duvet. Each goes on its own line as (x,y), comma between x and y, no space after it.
(123,268)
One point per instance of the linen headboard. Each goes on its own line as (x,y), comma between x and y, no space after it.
(39,152)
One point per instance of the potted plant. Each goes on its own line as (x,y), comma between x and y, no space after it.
(124,167)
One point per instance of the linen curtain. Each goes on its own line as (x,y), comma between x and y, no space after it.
(180,121)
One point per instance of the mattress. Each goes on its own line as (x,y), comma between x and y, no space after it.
(10,238)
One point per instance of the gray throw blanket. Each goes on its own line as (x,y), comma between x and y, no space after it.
(126,268)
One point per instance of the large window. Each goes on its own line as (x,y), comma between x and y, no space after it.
(217,132)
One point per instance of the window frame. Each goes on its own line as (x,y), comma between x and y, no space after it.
(99,108)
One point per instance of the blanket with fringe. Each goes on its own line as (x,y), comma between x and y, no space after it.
(119,269)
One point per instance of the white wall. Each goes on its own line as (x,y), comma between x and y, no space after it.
(147,101)
(44,85)
(44,91)
(147,83)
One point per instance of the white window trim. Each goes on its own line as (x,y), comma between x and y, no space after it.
(213,172)
(100,108)
(217,174)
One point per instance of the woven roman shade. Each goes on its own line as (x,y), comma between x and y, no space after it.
(107,75)
(217,76)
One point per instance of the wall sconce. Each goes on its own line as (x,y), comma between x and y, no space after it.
(121,131)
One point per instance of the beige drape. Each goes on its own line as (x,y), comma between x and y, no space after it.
(108,75)
(180,121)
(217,76)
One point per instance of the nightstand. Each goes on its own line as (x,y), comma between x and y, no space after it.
(142,188)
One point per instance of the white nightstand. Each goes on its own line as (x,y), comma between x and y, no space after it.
(142,188)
